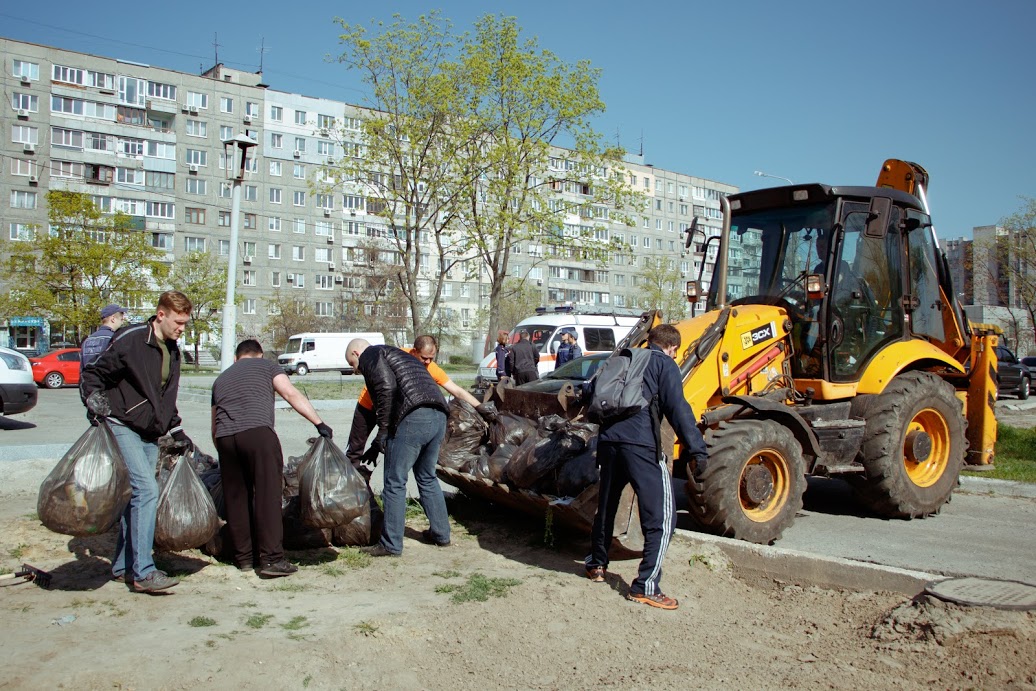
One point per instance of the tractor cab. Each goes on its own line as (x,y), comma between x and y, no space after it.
(855,268)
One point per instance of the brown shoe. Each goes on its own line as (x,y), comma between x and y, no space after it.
(658,600)
(596,573)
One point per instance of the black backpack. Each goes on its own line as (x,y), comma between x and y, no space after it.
(617,388)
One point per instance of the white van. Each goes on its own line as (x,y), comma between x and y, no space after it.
(595,333)
(315,352)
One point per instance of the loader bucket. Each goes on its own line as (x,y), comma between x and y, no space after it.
(577,513)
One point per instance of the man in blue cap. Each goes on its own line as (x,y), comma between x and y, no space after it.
(112,318)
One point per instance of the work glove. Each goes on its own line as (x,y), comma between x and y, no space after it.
(324,431)
(698,466)
(370,457)
(181,439)
(488,411)
(98,404)
(378,445)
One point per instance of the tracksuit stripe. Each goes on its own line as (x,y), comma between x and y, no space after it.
(651,585)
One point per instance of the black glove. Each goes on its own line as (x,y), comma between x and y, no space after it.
(181,438)
(698,466)
(98,404)
(378,445)
(370,457)
(324,431)
(488,411)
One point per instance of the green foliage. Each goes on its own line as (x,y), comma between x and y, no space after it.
(258,621)
(662,287)
(87,260)
(354,558)
(367,628)
(201,621)
(295,623)
(202,277)
(479,588)
(1015,455)
(1017,263)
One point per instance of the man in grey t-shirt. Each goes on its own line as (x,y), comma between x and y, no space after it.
(250,457)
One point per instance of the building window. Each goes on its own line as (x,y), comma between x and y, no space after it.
(226,104)
(223,221)
(22,134)
(300,117)
(252,109)
(300,144)
(21,232)
(274,224)
(298,198)
(299,226)
(129,176)
(23,168)
(324,254)
(160,210)
(276,113)
(223,248)
(191,244)
(196,157)
(298,253)
(325,122)
(226,132)
(275,168)
(196,186)
(25,70)
(248,277)
(251,193)
(299,173)
(59,136)
(273,251)
(325,309)
(166,150)
(197,100)
(132,91)
(166,92)
(195,216)
(248,306)
(325,148)
(325,201)
(300,280)
(324,282)
(250,222)
(276,141)
(27,102)
(275,279)
(23,200)
(275,195)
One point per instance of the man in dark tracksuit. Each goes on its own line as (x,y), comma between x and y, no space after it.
(628,453)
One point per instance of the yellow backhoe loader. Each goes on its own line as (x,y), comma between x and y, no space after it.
(832,345)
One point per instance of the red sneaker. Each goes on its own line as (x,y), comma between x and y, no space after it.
(659,600)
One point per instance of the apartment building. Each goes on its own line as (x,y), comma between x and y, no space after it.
(147,141)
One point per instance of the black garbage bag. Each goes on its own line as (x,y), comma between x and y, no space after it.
(331,491)
(465,433)
(535,458)
(213,482)
(363,530)
(187,516)
(510,429)
(478,466)
(88,489)
(498,461)
(579,472)
(298,535)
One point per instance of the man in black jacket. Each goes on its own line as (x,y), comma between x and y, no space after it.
(629,452)
(134,384)
(525,360)
(411,415)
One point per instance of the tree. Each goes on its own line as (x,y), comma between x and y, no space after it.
(662,287)
(288,315)
(1018,268)
(402,163)
(85,261)
(518,300)
(521,103)
(371,299)
(202,277)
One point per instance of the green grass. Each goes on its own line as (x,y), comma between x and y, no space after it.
(478,588)
(290,587)
(446,574)
(19,551)
(1015,455)
(413,509)
(295,624)
(258,621)
(367,628)
(354,558)
(700,559)
(201,621)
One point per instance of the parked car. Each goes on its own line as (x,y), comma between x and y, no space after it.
(575,372)
(56,368)
(17,389)
(1013,377)
(1030,362)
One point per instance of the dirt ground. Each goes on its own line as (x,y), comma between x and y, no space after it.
(387,623)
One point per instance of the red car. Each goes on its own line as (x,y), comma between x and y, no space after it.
(56,368)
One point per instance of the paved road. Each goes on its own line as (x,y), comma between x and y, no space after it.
(976,534)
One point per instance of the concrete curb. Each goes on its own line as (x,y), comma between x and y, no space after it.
(999,488)
(801,568)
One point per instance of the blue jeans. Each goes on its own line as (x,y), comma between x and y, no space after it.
(415,445)
(137,529)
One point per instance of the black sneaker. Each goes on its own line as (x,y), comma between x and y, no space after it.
(154,582)
(278,569)
(427,537)
(378,551)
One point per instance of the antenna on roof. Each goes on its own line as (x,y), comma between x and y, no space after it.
(262,50)
(641,142)
(215,46)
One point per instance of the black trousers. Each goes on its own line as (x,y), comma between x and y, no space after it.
(252,468)
(640,466)
(525,376)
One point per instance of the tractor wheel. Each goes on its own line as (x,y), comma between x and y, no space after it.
(302,370)
(54,380)
(913,446)
(753,484)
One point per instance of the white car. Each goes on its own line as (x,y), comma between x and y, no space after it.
(17,389)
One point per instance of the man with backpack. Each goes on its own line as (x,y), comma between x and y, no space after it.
(629,452)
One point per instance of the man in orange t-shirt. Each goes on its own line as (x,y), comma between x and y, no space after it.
(425,349)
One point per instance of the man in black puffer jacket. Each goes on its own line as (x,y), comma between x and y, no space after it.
(411,414)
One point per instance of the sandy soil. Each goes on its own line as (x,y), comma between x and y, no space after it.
(342,624)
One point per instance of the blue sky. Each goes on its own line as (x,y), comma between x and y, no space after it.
(808,90)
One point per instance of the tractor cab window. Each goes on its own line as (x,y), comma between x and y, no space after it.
(926,302)
(865,290)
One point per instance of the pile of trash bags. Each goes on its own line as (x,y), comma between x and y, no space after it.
(325,500)
(552,456)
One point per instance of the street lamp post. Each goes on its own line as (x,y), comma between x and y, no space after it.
(233,148)
(778,177)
